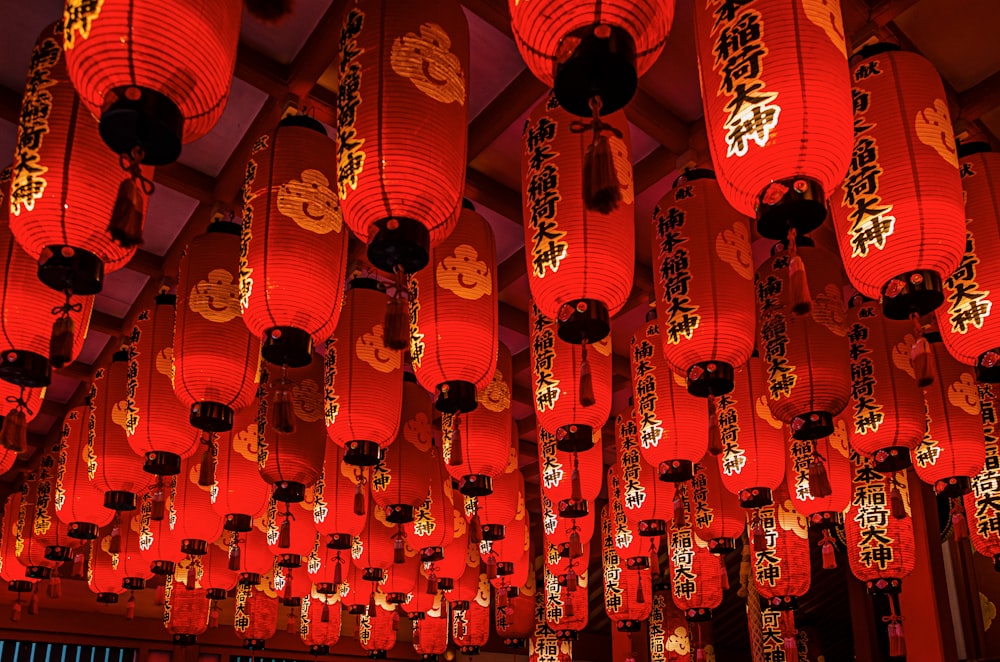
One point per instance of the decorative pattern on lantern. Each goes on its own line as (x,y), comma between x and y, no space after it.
(645,498)
(635,551)
(591,50)
(780,555)
(695,573)
(155,94)
(899,214)
(46,528)
(545,645)
(159,544)
(672,424)
(668,632)
(256,616)
(776,90)
(319,622)
(982,509)
(432,526)
(216,357)
(405,75)
(103,575)
(239,493)
(627,592)
(12,570)
(32,548)
(580,259)
(807,383)
(185,612)
(570,480)
(363,379)
(339,500)
(704,283)
(376,632)
(198,523)
(470,628)
(717,516)
(78,504)
(807,463)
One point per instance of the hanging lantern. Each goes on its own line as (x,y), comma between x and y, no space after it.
(12,570)
(339,502)
(817,467)
(155,94)
(568,535)
(980,504)
(567,612)
(510,550)
(515,623)
(291,534)
(159,544)
(432,524)
(716,513)
(952,451)
(239,493)
(363,378)
(319,623)
(103,576)
(775,84)
(132,565)
(704,283)
(495,511)
(355,592)
(18,407)
(885,413)
(214,572)
(570,480)
(695,573)
(405,75)
(198,523)
(645,499)
(78,504)
(456,556)
(256,617)
(806,381)
(672,424)
(470,628)
(750,438)
(780,554)
(430,634)
(899,213)
(545,645)
(185,613)
(627,592)
(32,544)
(373,549)
(399,482)
(66,211)
(472,585)
(46,528)
(215,356)
(377,631)
(400,583)
(256,555)
(636,552)
(424,595)
(668,632)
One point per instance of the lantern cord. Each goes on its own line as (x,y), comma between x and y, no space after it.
(359,494)
(758,536)
(285,530)
(63,331)
(281,401)
(714,434)
(192,572)
(115,543)
(206,472)
(158,506)
(959,527)
(601,188)
(897,641)
(398,546)
(338,572)
(235,556)
(819,481)
(14,431)
(456,456)
(829,550)
(587,398)
(576,489)
(397,323)
(125,224)
(920,354)
(896,504)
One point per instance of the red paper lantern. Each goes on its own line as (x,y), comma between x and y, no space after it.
(806,380)
(470,628)
(560,531)
(704,283)
(433,526)
(627,592)
(33,547)
(319,623)
(132,565)
(404,72)
(215,357)
(291,217)
(558,468)
(377,632)
(457,555)
(473,584)
(63,191)
(515,623)
(256,616)
(495,511)
(672,424)
(373,548)
(750,437)
(781,564)
(334,512)
(44,527)
(430,635)
(982,509)
(364,382)
(545,644)
(566,595)
(716,513)
(214,572)
(899,213)
(885,413)
(636,550)
(256,555)
(103,575)
(185,612)
(168,86)
(668,632)
(775,84)
(834,454)
(646,499)
(239,493)
(695,573)
(291,534)
(12,570)
(424,594)
(591,49)
(159,544)
(401,579)
(355,592)
(509,552)
(198,523)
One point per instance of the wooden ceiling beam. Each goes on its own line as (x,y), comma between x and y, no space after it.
(883,12)
(658,121)
(980,98)
(512,102)
(657,165)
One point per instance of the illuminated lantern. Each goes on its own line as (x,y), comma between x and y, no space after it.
(627,592)
(515,623)
(363,378)
(25,404)
(373,548)
(750,437)
(45,527)
(497,510)
(800,462)
(806,380)
(433,526)
(570,480)
(239,493)
(470,628)
(899,214)
(562,533)
(566,594)
(424,595)
(645,499)
(885,413)
(695,573)
(591,50)
(62,196)
(716,515)
(289,587)
(12,570)
(335,513)
(185,612)
(482,451)
(780,557)
(672,424)
(214,573)
(635,551)
(511,549)
(198,523)
(399,482)
(981,503)
(457,555)
(290,215)
(159,543)
(472,587)
(155,94)
(377,632)
(132,565)
(291,534)
(256,616)
(256,555)
(405,75)
(952,451)
(103,575)
(319,623)
(158,433)
(544,640)
(430,634)
(78,504)
(401,579)
(776,90)
(703,279)
(33,549)
(355,592)
(668,633)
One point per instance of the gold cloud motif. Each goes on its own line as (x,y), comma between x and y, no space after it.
(216,298)
(963,394)
(733,247)
(310,203)
(826,15)
(370,348)
(464,274)
(427,61)
(933,127)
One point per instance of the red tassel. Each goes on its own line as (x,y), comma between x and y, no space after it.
(125,225)
(33,602)
(397,316)
(432,584)
(235,556)
(601,188)
(54,589)
(572,581)
(959,527)
(829,551)
(759,538)
(455,457)
(395,620)
(281,404)
(491,567)
(206,472)
(501,599)
(654,561)
(576,490)
(724,575)
(158,510)
(640,594)
(475,530)
(79,565)
(324,615)
(213,616)
(160,597)
(575,544)
(290,622)
(714,433)
(61,342)
(130,608)
(800,297)
(587,398)
(15,611)
(790,635)
(14,431)
(699,655)
(359,498)
(897,641)
(819,482)
(398,553)
(921,355)
(679,518)
(568,609)
(285,530)
(371,605)
(896,504)
(115,544)
(287,594)
(338,573)
(192,575)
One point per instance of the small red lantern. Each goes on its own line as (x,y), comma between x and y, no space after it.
(668,633)
(775,84)
(433,521)
(472,586)
(291,534)
(566,595)
(337,497)
(33,549)
(319,623)
(899,213)
(645,498)
(256,616)
(377,631)
(495,511)
(215,357)
(695,573)
(703,278)
(256,555)
(185,612)
(509,551)
(46,527)
(364,382)
(291,217)
(807,383)
(239,493)
(373,549)
(515,622)
(637,552)
(805,487)
(159,545)
(79,505)
(982,509)
(564,532)
(627,592)
(672,424)
(470,628)
(355,592)
(430,635)
(570,480)
(400,583)
(716,513)
(198,523)
(13,571)
(168,86)
(458,555)
(404,74)
(214,571)
(103,575)
(780,555)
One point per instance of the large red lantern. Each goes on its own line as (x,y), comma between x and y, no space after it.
(672,424)
(802,461)
(470,628)
(566,597)
(899,213)
(198,523)
(570,480)
(646,499)
(703,279)
(780,558)
(404,72)
(79,505)
(256,616)
(982,503)
(515,622)
(716,513)
(806,379)
(33,549)
(185,612)
(885,413)
(291,217)
(103,575)
(376,631)
(163,84)
(335,500)
(46,527)
(430,634)
(239,493)
(159,544)
(215,357)
(400,583)
(777,95)
(627,592)
(319,623)
(363,378)
(695,573)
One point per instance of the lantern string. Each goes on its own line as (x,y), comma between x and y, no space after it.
(63,331)
(920,354)
(206,473)
(897,643)
(714,433)
(959,527)
(801,298)
(396,329)
(130,162)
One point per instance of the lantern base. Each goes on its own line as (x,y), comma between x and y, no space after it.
(249,578)
(395,598)
(82,531)
(107,598)
(953,486)
(513,592)
(357,610)
(373,574)
(377,655)
(796,202)
(812,425)
(515,643)
(583,321)
(884,586)
(602,64)
(289,561)
(825,520)
(26,369)
(68,268)
(468,650)
(505,568)
(415,616)
(134,116)
(318,649)
(162,463)
(133,583)
(575,438)
(289,492)
(58,553)
(399,513)
(399,241)
(361,453)
(629,625)
(326,588)
(708,378)
(339,541)
(913,292)
(238,522)
(567,635)
(492,532)
(475,485)
(722,545)
(702,615)
(676,471)
(194,547)
(185,640)
(460,605)
(780,603)
(119,500)
(446,584)
(254,644)
(455,396)
(38,572)
(287,346)
(988,367)
(211,416)
(20,586)
(431,554)
(755,497)
(216,594)
(162,568)
(652,528)
(637,563)
(892,459)
(572,509)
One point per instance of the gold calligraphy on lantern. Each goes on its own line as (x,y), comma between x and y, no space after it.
(28,181)
(331,400)
(682,318)
(772,636)
(62,458)
(867,414)
(728,421)
(417,345)
(630,461)
(766,562)
(781,375)
(871,501)
(968,304)
(622,531)
(350,156)
(246,232)
(704,514)
(551,469)
(644,379)
(986,484)
(424,522)
(79,17)
(548,247)
(90,450)
(613,594)
(543,355)
(545,646)
(131,409)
